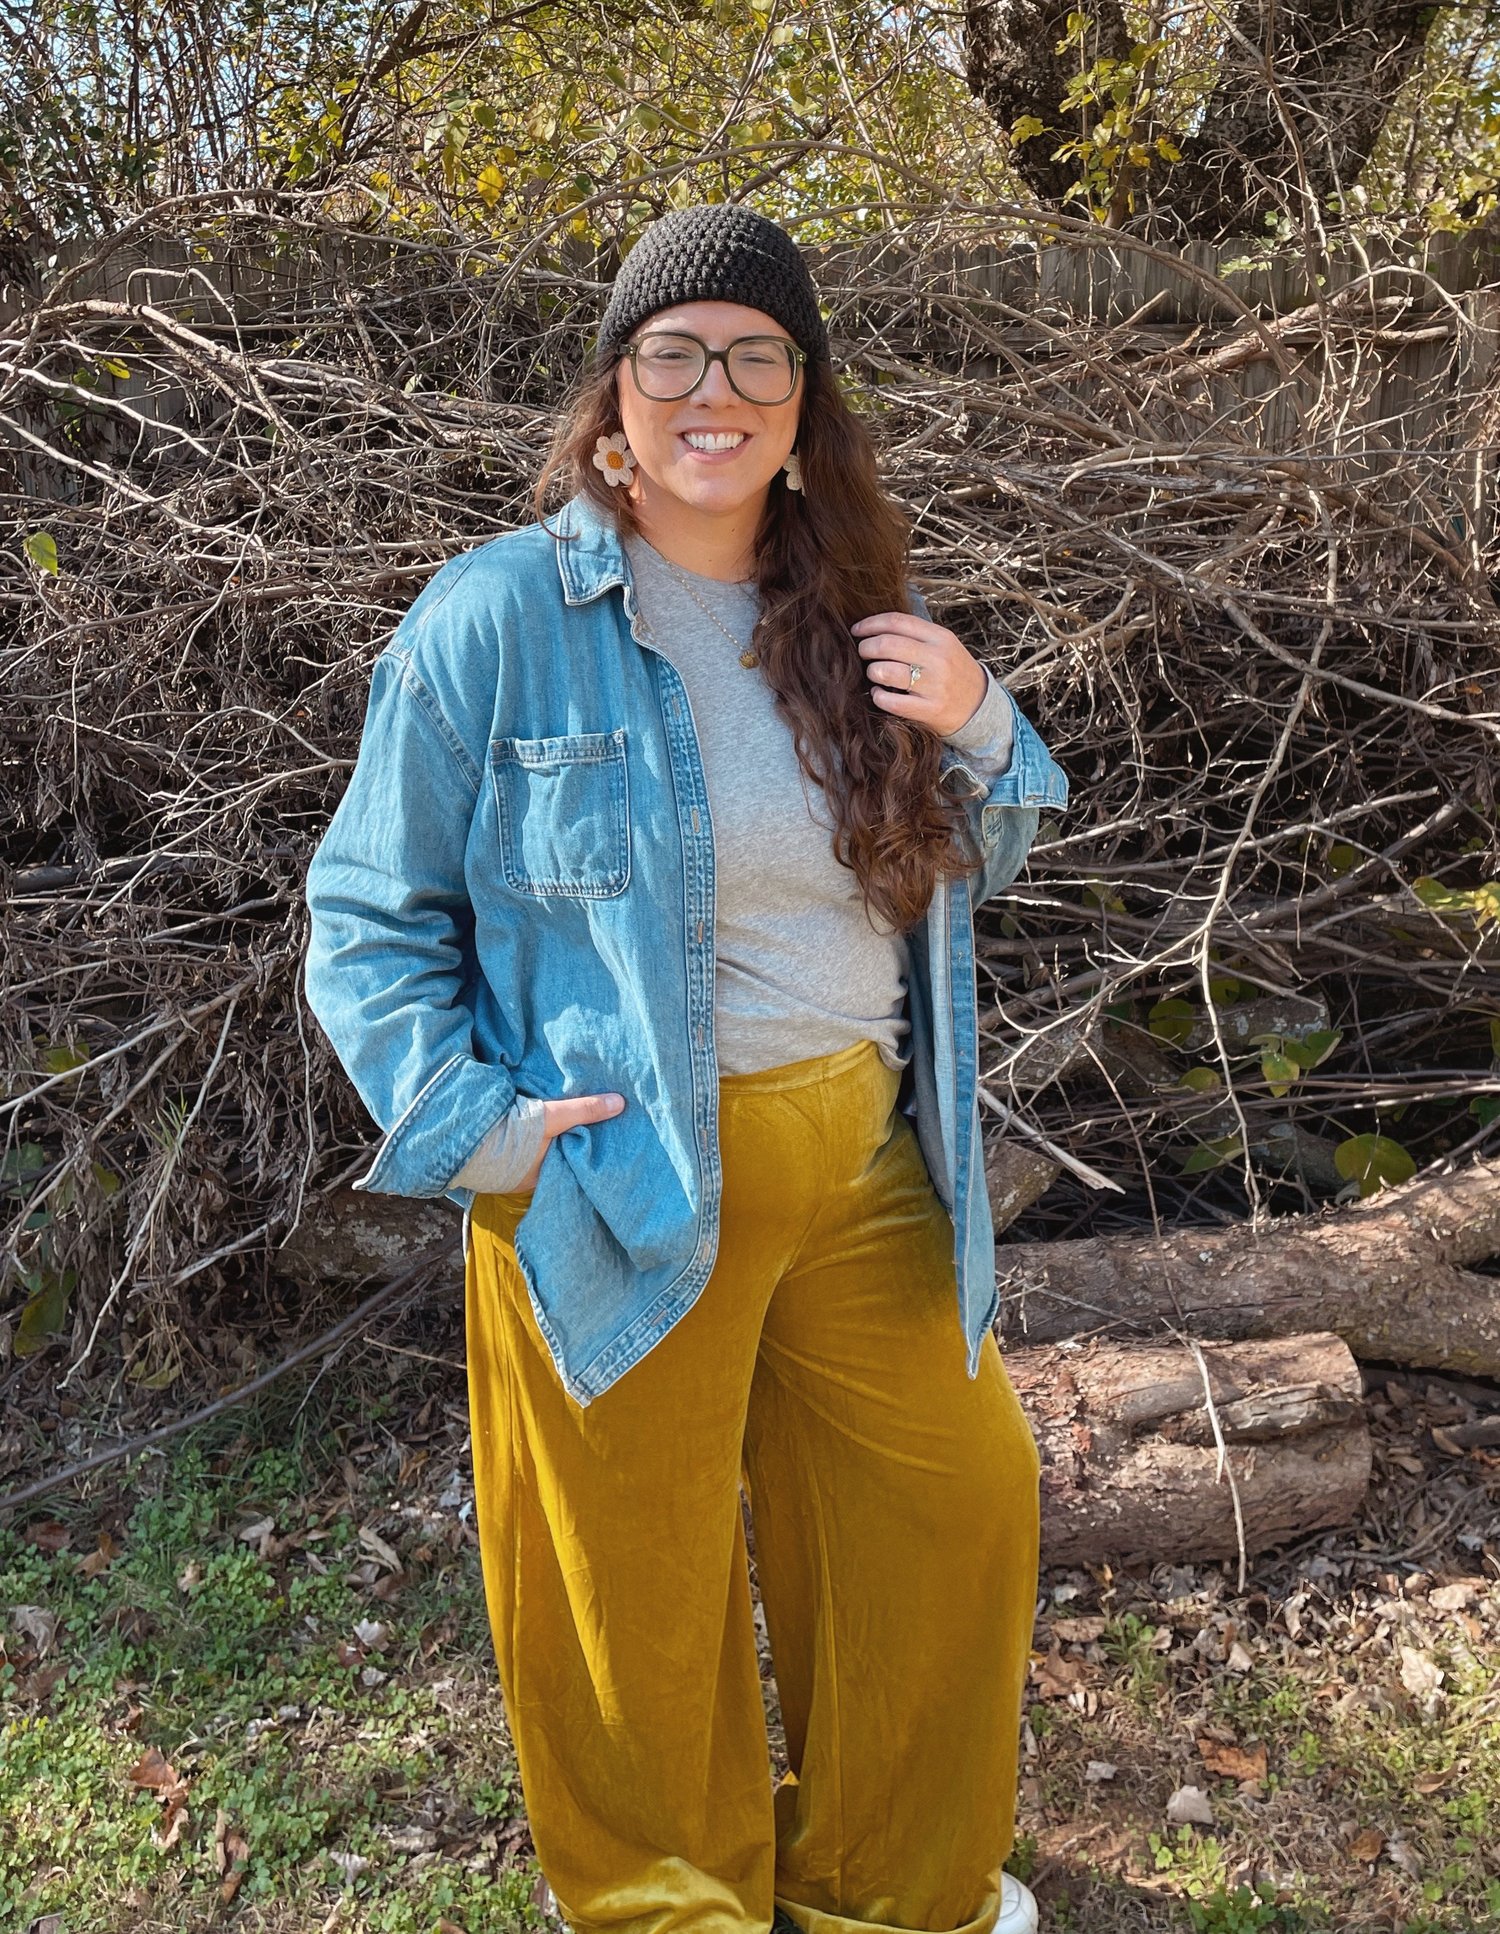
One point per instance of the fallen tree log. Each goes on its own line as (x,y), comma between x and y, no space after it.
(1392,1276)
(350,1234)
(1130,1461)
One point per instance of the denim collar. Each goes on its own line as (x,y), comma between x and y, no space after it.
(590,556)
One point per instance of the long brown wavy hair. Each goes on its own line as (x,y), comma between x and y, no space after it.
(824,558)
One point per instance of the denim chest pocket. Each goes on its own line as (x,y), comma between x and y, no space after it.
(564,811)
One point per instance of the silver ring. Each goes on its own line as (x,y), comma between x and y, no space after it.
(916,673)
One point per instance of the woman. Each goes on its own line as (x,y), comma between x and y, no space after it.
(644,931)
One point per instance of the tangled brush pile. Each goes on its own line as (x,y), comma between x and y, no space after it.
(1235,563)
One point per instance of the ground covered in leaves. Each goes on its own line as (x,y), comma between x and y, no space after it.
(247,1681)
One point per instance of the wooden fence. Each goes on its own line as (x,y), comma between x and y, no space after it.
(1388,360)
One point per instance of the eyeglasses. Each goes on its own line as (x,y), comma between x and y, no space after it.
(668,365)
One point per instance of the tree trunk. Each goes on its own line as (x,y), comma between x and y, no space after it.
(1012,66)
(1130,1463)
(1391,1276)
(1301,95)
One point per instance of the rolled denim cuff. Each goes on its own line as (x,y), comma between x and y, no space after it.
(506,1156)
(438,1127)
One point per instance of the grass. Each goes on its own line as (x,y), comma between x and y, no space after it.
(249,1684)
(1332,1733)
(245,1711)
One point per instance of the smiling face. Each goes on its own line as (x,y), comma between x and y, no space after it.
(706,459)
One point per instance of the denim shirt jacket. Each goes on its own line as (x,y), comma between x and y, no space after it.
(516,895)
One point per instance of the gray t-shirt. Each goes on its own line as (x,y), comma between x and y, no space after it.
(800,969)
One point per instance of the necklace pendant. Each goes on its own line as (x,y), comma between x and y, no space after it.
(749,658)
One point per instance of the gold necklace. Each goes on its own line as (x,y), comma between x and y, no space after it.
(747,654)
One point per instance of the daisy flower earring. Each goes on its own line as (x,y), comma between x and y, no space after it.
(614,456)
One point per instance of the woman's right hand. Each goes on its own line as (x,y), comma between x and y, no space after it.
(558,1115)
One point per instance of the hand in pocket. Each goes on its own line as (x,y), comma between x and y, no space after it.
(558,1115)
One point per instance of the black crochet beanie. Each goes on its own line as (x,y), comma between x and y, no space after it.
(714,252)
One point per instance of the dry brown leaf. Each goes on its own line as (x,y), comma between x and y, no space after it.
(1459,1596)
(157,1774)
(42,1683)
(1190,1806)
(1056,1677)
(378,1548)
(1367,1845)
(169,1828)
(231,1856)
(36,1623)
(49,1536)
(1078,1631)
(1233,1762)
(99,1558)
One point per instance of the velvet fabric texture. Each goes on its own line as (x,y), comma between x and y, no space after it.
(895,1509)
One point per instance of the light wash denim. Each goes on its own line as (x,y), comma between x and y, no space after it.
(516,895)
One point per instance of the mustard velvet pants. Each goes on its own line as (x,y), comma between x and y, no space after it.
(895,1506)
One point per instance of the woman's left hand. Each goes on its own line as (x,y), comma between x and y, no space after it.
(950,683)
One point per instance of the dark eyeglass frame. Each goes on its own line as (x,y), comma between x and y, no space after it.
(797,354)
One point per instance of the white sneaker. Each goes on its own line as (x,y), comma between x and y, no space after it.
(1018,1913)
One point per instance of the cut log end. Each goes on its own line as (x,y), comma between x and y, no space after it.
(1131,1463)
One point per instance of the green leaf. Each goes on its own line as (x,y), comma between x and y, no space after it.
(1341,857)
(1279,1070)
(161,1379)
(1485,1109)
(1374,1161)
(1442,899)
(1104,898)
(41,548)
(21,1165)
(1212,1155)
(1026,127)
(114,368)
(1310,1049)
(62,1059)
(1223,989)
(1495,1038)
(1172,1020)
(1202,1081)
(46,1311)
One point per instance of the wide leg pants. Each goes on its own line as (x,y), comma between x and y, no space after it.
(894,1503)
